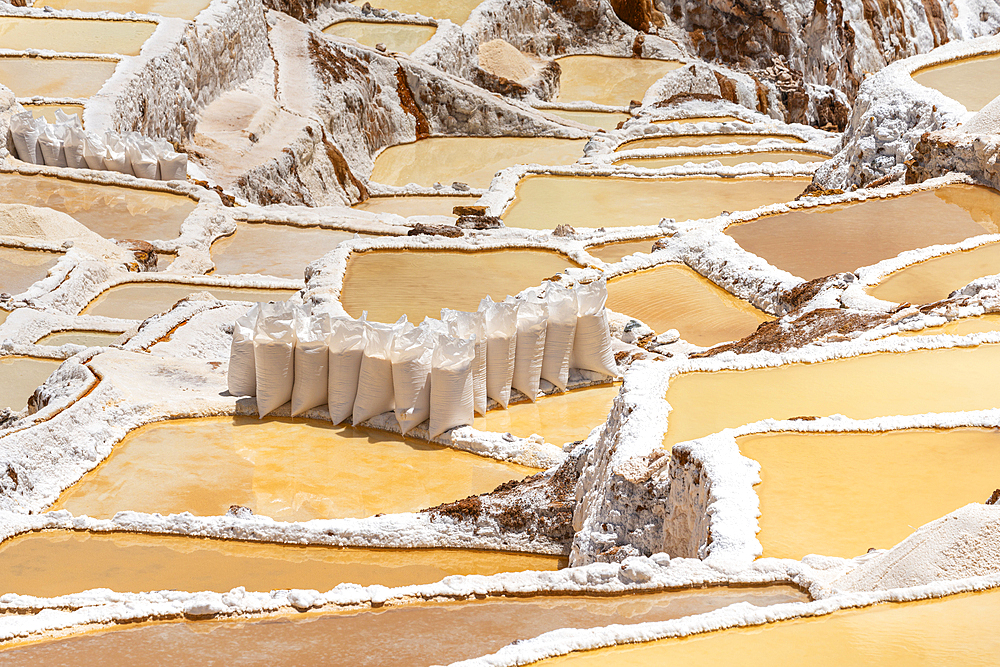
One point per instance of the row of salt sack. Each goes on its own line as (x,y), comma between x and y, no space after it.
(65,144)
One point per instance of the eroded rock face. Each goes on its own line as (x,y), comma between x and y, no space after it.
(640,14)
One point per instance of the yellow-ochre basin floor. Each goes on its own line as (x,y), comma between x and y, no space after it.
(971,81)
(137,301)
(934,279)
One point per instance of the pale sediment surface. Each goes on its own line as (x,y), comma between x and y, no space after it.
(543,202)
(934,279)
(815,242)
(952,630)
(871,385)
(111,211)
(606,120)
(74,35)
(53,563)
(85,338)
(727,159)
(607,80)
(137,301)
(184,9)
(456,10)
(559,418)
(677,140)
(613,252)
(470,160)
(416,205)
(425,281)
(674,296)
(54,77)
(20,269)
(289,470)
(274,250)
(839,494)
(48,111)
(396,36)
(20,376)
(971,81)
(420,635)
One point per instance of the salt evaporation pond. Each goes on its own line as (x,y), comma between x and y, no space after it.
(78,337)
(474,628)
(456,10)
(137,301)
(679,140)
(74,35)
(872,385)
(20,376)
(559,418)
(289,470)
(470,160)
(606,120)
(971,81)
(61,562)
(820,241)
(608,80)
(183,9)
(614,252)
(956,630)
(274,250)
(48,111)
(54,77)
(727,159)
(934,279)
(404,37)
(417,205)
(543,202)
(840,494)
(961,327)
(674,296)
(701,119)
(109,210)
(425,281)
(20,268)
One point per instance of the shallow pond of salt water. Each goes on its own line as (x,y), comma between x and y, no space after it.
(544,202)
(61,562)
(54,77)
(417,205)
(701,119)
(20,268)
(403,37)
(474,628)
(727,159)
(80,337)
(614,252)
(680,140)
(20,376)
(274,250)
(456,10)
(184,9)
(674,296)
(74,35)
(289,470)
(48,111)
(839,494)
(425,281)
(109,210)
(606,120)
(608,80)
(971,81)
(470,160)
(820,241)
(936,278)
(872,385)
(137,301)
(948,631)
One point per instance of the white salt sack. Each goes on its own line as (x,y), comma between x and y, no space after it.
(74,147)
(242,375)
(116,155)
(50,143)
(592,341)
(94,151)
(312,363)
(375,392)
(472,325)
(142,157)
(347,347)
(274,356)
(529,348)
(452,393)
(500,320)
(25,131)
(411,376)
(559,333)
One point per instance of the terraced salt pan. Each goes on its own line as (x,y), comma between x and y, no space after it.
(289,470)
(953,630)
(79,337)
(407,206)
(20,268)
(934,279)
(871,385)
(701,119)
(474,629)
(74,35)
(137,301)
(613,252)
(559,418)
(183,9)
(971,81)
(470,160)
(111,211)
(727,159)
(961,327)
(608,80)
(820,241)
(20,376)
(54,77)
(678,140)
(53,563)
(48,111)
(673,296)
(456,10)
(839,494)
(274,250)
(605,120)
(404,37)
(425,281)
(543,202)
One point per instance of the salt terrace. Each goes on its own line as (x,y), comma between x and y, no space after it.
(498,333)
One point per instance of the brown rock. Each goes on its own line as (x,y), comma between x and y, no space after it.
(435,230)
(640,14)
(564,230)
(469,210)
(994,498)
(479,222)
(143,251)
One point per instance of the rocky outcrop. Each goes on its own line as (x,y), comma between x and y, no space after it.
(640,14)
